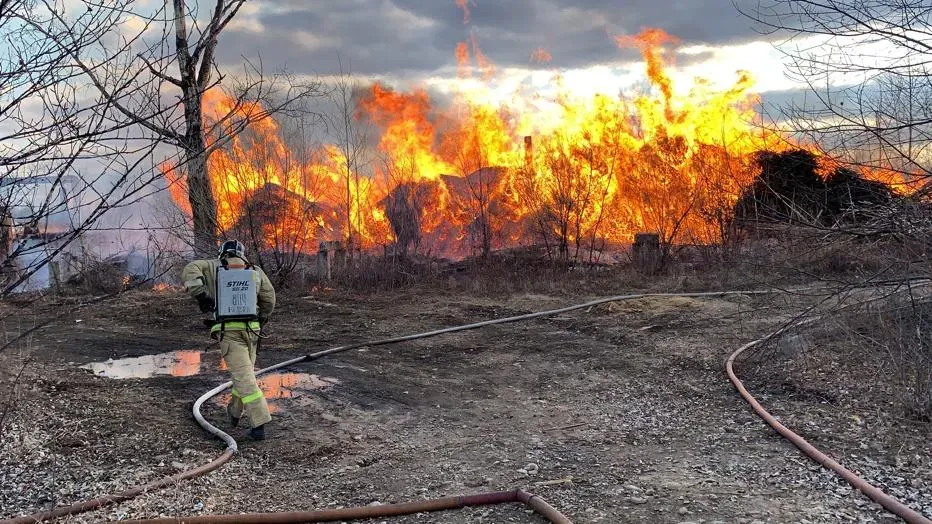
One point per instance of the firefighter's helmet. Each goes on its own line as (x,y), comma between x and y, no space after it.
(232,248)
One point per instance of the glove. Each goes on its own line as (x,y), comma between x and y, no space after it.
(205,303)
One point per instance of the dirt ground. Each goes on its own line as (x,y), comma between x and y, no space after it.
(620,413)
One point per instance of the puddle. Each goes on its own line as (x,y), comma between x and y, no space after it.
(175,364)
(279,386)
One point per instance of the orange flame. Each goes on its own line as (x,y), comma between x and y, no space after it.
(651,42)
(469,51)
(462,59)
(458,178)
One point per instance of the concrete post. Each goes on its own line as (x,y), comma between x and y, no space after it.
(330,255)
(55,278)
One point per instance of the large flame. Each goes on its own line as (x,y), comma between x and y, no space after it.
(574,174)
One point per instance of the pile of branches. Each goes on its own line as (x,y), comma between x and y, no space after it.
(790,190)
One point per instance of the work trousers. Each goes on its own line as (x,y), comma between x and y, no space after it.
(238,349)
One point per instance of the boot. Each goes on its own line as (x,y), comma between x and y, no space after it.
(257,433)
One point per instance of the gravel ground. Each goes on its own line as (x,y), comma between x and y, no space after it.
(621,413)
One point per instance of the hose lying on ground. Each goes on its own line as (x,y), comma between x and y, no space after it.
(874,493)
(369,512)
(133,492)
(231,442)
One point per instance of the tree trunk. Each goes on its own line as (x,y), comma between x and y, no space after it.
(486,237)
(485,226)
(200,193)
(350,237)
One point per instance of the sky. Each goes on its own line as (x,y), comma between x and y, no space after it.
(412,42)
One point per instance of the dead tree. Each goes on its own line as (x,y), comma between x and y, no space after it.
(528,190)
(138,94)
(277,205)
(352,135)
(56,139)
(666,193)
(602,162)
(575,189)
(476,193)
(883,120)
(6,234)
(560,203)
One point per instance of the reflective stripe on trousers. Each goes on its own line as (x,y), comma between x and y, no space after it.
(248,398)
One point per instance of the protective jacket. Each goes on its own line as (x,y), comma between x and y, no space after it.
(199,278)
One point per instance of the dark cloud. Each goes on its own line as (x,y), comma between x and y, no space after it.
(416,37)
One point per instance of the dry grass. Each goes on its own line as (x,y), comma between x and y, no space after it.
(98,278)
(897,336)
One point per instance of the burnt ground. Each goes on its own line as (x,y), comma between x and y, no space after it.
(621,413)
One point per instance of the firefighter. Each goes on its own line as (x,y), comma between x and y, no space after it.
(238,338)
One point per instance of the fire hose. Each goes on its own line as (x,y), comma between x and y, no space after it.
(534,502)
(874,493)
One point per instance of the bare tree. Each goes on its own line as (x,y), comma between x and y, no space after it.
(557,210)
(867,66)
(603,161)
(574,182)
(667,195)
(528,192)
(135,84)
(65,161)
(352,136)
(476,187)
(720,176)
